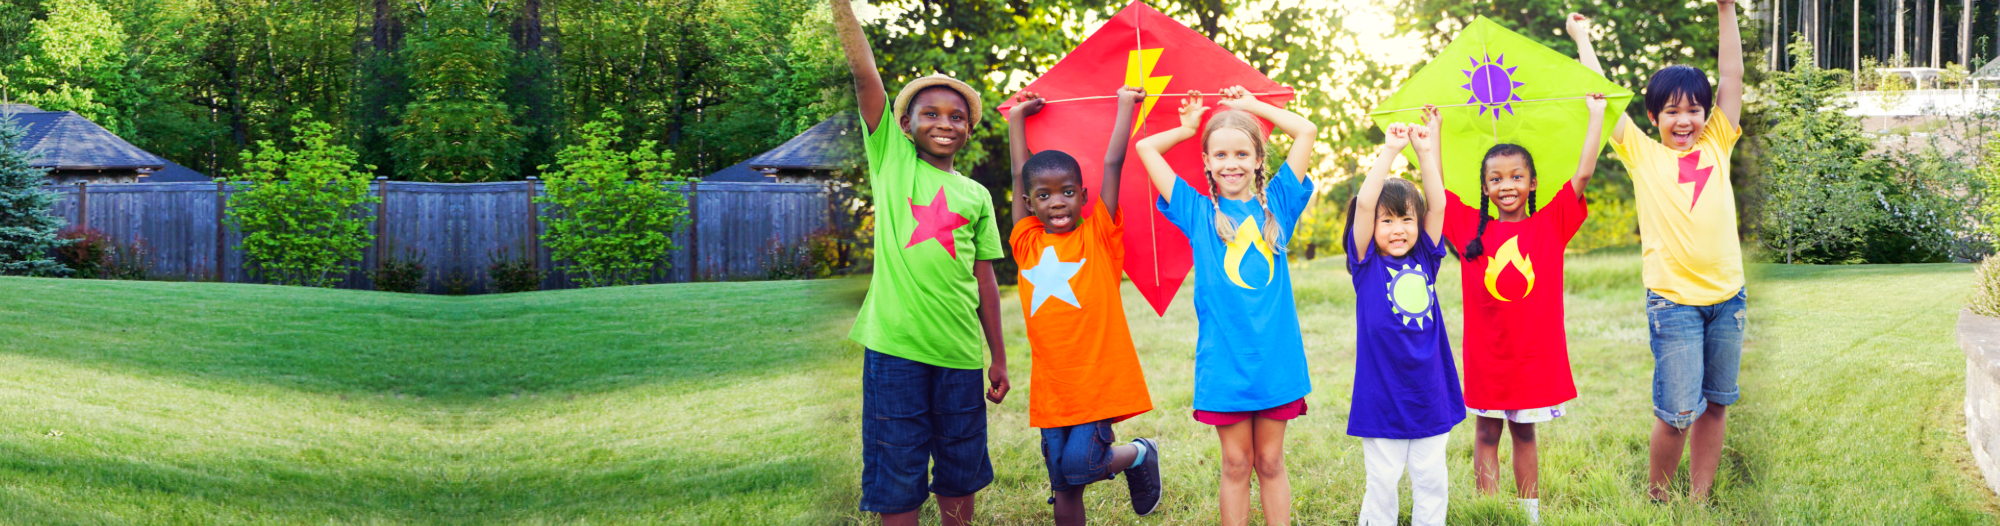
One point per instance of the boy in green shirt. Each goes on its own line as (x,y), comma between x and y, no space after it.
(931,300)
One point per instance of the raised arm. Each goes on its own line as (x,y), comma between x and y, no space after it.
(1150,148)
(1593,142)
(1114,151)
(1395,138)
(1026,105)
(1429,142)
(1729,91)
(861,59)
(1579,31)
(1302,130)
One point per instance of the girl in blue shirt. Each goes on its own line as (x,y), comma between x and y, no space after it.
(1250,361)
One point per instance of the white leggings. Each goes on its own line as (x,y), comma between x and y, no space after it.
(1429,482)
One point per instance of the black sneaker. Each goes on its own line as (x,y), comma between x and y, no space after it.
(1144,480)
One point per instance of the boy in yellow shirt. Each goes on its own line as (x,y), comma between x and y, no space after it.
(1694,262)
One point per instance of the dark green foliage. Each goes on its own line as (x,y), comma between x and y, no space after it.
(511,273)
(27,228)
(456,128)
(400,273)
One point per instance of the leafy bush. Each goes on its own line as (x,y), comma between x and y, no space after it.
(817,257)
(403,273)
(612,215)
(303,217)
(513,273)
(1985,296)
(85,251)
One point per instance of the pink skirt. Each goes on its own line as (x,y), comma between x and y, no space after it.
(1284,412)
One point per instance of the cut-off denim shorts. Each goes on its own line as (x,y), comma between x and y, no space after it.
(1696,354)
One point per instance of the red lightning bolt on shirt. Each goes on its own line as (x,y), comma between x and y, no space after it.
(1692,173)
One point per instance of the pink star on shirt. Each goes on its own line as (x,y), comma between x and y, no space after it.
(936,221)
(1692,173)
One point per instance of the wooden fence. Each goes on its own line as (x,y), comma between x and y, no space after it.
(456,229)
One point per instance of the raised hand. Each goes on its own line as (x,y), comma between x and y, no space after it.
(1236,97)
(1396,137)
(1595,102)
(1578,26)
(1028,103)
(1425,138)
(1131,95)
(1191,110)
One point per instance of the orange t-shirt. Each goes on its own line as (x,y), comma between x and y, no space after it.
(1085,368)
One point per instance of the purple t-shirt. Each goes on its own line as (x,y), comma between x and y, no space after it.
(1405,384)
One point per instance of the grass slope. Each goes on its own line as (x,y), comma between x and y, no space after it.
(175,403)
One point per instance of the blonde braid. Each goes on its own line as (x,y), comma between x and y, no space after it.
(1272,232)
(1222,227)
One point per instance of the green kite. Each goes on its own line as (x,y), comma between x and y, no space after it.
(1492,86)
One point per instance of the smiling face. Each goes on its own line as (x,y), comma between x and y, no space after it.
(1057,198)
(1506,180)
(939,122)
(1395,234)
(1232,158)
(1680,121)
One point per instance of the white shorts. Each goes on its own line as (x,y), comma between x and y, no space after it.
(1521,416)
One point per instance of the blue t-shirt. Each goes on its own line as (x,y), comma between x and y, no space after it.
(1405,384)
(1249,355)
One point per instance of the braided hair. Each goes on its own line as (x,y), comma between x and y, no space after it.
(1477,247)
(1242,121)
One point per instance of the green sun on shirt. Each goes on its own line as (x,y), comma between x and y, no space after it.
(930,227)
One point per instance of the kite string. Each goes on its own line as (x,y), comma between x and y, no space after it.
(1470,104)
(1151,95)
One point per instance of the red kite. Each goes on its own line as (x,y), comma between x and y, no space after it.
(1139,47)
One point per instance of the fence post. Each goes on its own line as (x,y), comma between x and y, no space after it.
(534,244)
(381,221)
(694,230)
(221,230)
(83,205)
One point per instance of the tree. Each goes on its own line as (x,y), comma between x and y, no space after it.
(1820,204)
(457,129)
(78,64)
(27,226)
(612,214)
(303,215)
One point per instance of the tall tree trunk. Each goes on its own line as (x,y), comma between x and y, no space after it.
(1937,33)
(1965,36)
(1855,35)
(1900,56)
(387,31)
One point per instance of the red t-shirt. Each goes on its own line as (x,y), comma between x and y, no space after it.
(1516,353)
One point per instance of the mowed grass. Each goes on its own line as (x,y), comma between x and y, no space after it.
(181,403)
(739,403)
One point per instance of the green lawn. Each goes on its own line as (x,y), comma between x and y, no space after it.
(182,403)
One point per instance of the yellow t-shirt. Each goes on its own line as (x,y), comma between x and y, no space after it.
(1687,213)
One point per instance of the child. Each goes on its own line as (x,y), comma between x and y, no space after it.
(1406,396)
(1250,361)
(931,298)
(1516,353)
(1086,373)
(1694,262)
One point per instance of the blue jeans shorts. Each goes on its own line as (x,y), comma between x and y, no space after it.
(1696,354)
(1077,455)
(923,431)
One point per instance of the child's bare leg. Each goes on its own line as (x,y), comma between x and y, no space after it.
(1663,458)
(907,518)
(1527,473)
(1122,457)
(1069,507)
(1486,455)
(1707,451)
(1272,484)
(954,511)
(1238,451)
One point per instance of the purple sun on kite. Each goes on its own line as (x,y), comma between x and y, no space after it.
(1492,84)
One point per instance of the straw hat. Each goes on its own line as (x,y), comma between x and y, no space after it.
(937,79)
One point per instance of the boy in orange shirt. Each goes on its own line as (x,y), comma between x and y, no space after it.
(1086,373)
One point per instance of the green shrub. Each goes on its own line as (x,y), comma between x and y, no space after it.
(1985,296)
(513,274)
(612,216)
(303,216)
(403,273)
(85,251)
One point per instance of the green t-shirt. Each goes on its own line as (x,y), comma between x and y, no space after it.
(930,227)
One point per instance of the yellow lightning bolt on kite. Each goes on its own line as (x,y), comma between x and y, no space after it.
(1139,72)
(1509,255)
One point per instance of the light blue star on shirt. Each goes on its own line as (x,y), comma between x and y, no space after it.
(1051,279)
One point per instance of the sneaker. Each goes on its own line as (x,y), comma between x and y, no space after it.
(1144,480)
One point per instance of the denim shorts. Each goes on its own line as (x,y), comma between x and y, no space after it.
(1696,353)
(919,422)
(1077,455)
